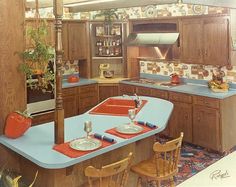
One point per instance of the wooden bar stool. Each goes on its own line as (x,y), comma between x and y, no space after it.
(112,175)
(164,164)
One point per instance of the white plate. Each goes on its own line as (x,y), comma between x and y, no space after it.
(129,129)
(85,144)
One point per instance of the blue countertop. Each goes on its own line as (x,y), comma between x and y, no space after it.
(36,144)
(82,81)
(189,86)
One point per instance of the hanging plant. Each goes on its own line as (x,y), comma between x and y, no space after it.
(36,59)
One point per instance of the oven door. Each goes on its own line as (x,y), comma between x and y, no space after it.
(38,102)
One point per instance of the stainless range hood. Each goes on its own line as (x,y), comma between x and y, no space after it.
(151,39)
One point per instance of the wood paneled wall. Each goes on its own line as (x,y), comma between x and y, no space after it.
(12,82)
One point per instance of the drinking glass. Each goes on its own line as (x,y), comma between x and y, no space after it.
(87,127)
(132,114)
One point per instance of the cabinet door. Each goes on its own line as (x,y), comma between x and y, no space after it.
(77,37)
(69,102)
(65,43)
(87,97)
(106,91)
(127,89)
(216,41)
(191,41)
(181,121)
(143,91)
(206,124)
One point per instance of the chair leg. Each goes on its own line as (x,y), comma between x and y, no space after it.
(139,182)
(158,183)
(172,182)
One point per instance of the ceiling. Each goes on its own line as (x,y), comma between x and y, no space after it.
(89,5)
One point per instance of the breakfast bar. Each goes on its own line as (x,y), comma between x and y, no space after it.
(36,151)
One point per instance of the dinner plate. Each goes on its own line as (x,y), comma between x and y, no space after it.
(85,144)
(129,129)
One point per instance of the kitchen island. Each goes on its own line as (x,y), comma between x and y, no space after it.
(56,169)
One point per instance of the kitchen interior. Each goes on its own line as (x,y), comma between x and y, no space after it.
(180,51)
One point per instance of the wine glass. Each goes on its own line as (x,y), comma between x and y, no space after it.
(132,114)
(87,127)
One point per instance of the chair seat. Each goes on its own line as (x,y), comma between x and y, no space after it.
(147,168)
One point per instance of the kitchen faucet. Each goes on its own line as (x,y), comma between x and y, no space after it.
(137,100)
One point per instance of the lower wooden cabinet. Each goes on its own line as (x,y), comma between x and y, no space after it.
(181,121)
(108,90)
(127,89)
(206,127)
(69,102)
(87,97)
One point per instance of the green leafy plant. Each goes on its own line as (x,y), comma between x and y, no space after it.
(109,15)
(36,59)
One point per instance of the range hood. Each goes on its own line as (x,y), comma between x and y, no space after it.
(151,39)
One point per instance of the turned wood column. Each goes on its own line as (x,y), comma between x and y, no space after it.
(59,111)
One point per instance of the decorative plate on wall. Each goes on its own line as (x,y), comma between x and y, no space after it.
(199,9)
(151,11)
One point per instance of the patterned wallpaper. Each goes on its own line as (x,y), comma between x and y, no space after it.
(192,71)
(150,11)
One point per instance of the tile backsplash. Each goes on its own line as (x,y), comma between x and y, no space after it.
(192,71)
(70,67)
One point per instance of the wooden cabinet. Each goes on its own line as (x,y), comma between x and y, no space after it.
(206,122)
(108,90)
(69,102)
(127,89)
(205,40)
(77,38)
(87,97)
(143,91)
(65,43)
(181,118)
(216,41)
(191,41)
(206,127)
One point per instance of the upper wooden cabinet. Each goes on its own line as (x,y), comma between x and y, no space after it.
(77,38)
(205,40)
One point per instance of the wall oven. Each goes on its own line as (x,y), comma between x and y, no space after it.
(39,101)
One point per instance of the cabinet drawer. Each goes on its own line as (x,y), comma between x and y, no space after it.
(88,102)
(180,97)
(206,101)
(127,89)
(43,118)
(159,94)
(88,91)
(68,91)
(143,91)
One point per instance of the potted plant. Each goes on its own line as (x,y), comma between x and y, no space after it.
(109,15)
(36,59)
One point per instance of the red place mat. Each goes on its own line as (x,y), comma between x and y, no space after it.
(127,136)
(68,151)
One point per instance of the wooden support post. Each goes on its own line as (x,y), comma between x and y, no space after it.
(59,111)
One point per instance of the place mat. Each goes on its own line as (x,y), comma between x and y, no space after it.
(68,151)
(128,136)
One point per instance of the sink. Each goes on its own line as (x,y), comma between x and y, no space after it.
(116,107)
